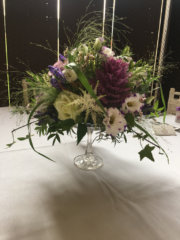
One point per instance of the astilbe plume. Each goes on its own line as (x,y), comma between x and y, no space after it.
(113,80)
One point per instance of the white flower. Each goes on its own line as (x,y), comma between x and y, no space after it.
(73,52)
(106,53)
(114,122)
(66,112)
(128,58)
(83,49)
(70,75)
(98,44)
(132,103)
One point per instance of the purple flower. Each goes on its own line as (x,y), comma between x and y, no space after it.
(57,72)
(62,58)
(113,80)
(55,84)
(178,109)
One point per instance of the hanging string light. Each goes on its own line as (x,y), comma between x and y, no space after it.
(112,32)
(58,19)
(104,17)
(5,35)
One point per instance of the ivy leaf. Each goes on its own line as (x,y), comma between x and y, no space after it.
(146,152)
(81,132)
(130,119)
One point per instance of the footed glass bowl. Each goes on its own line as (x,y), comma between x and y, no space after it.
(88,161)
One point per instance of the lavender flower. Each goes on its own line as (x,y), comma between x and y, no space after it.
(55,84)
(62,58)
(57,72)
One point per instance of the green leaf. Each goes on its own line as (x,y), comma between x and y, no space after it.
(85,83)
(22,139)
(30,140)
(54,141)
(60,132)
(58,138)
(50,136)
(160,109)
(131,64)
(81,132)
(146,152)
(10,145)
(149,99)
(156,105)
(143,130)
(157,115)
(130,119)
(138,63)
(152,114)
(125,139)
(66,124)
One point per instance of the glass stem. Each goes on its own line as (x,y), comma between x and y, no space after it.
(89,150)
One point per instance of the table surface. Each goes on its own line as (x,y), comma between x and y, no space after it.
(126,199)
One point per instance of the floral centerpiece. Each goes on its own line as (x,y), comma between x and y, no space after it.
(90,87)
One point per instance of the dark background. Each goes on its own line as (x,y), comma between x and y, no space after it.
(35,21)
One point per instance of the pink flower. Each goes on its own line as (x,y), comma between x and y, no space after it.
(114,122)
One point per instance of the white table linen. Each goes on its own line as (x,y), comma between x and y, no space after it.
(126,199)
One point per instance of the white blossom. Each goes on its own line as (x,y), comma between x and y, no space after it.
(70,75)
(132,103)
(114,122)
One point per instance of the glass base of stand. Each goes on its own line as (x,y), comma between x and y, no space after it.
(88,162)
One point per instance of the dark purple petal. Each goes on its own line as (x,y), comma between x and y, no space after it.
(55,84)
(57,72)
(62,58)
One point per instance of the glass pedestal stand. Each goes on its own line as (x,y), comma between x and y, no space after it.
(88,161)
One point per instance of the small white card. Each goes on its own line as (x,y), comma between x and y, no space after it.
(164,130)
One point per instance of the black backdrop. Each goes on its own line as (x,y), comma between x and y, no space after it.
(35,21)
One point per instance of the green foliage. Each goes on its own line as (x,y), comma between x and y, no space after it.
(149,99)
(147,152)
(10,144)
(24,138)
(151,137)
(130,119)
(81,132)
(86,84)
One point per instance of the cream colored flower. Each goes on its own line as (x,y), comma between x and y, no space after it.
(83,49)
(132,103)
(74,51)
(66,112)
(70,75)
(114,122)
(98,44)
(106,53)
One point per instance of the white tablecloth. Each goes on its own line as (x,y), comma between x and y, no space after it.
(126,199)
